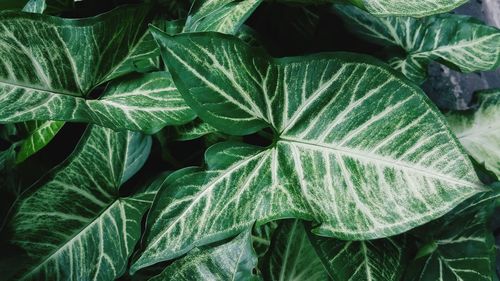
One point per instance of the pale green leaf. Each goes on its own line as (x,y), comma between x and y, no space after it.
(73,225)
(234,260)
(460,42)
(372,260)
(225,16)
(479,131)
(193,130)
(146,102)
(292,256)
(40,134)
(45,71)
(48,6)
(412,8)
(348,131)
(459,247)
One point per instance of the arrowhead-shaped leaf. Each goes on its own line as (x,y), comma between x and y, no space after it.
(460,246)
(46,75)
(373,260)
(479,132)
(74,225)
(357,149)
(460,42)
(234,260)
(292,256)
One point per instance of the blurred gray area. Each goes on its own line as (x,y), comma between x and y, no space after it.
(453,90)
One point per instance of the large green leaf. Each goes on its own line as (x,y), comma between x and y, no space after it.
(292,256)
(44,70)
(145,103)
(479,131)
(234,260)
(347,131)
(73,225)
(373,260)
(458,41)
(458,247)
(40,133)
(225,16)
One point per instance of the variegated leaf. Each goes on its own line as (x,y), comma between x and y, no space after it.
(458,41)
(144,103)
(479,132)
(73,225)
(48,6)
(383,8)
(412,8)
(234,260)
(348,131)
(40,133)
(193,130)
(225,16)
(292,256)
(458,247)
(373,260)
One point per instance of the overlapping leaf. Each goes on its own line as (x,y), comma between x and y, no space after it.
(145,103)
(40,133)
(373,260)
(348,132)
(458,41)
(234,260)
(225,16)
(46,72)
(292,256)
(459,246)
(479,132)
(74,226)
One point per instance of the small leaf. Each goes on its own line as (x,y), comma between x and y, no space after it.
(373,260)
(75,218)
(193,130)
(460,42)
(479,132)
(234,260)
(224,16)
(464,245)
(292,256)
(40,134)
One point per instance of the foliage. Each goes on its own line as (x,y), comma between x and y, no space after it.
(171,140)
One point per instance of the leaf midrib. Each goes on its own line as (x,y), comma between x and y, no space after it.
(70,241)
(397,164)
(31,87)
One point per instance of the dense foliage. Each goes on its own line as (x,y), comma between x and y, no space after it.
(244,140)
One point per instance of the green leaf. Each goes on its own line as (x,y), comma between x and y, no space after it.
(48,6)
(479,131)
(234,260)
(44,67)
(292,256)
(146,103)
(420,8)
(193,130)
(372,260)
(74,225)
(348,131)
(40,134)
(460,42)
(225,16)
(463,246)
